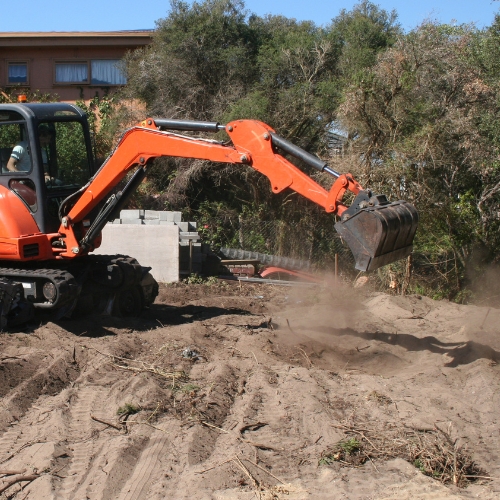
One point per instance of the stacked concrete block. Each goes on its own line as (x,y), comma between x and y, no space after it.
(153,246)
(145,216)
(160,240)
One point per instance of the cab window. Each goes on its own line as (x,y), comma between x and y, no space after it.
(64,154)
(15,151)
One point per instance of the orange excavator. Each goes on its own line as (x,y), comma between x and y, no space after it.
(54,204)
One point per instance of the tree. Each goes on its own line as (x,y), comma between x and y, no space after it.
(421,110)
(421,123)
(361,34)
(202,58)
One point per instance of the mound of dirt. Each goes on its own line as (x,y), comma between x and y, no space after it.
(243,391)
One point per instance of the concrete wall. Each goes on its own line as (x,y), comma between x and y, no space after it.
(41,50)
(159,240)
(152,245)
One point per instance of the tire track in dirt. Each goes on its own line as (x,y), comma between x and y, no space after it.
(80,433)
(19,436)
(272,433)
(46,380)
(104,461)
(16,410)
(303,384)
(137,486)
(7,442)
(280,408)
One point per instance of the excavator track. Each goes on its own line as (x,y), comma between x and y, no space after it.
(115,285)
(14,309)
(65,289)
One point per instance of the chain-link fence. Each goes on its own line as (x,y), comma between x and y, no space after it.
(437,274)
(320,247)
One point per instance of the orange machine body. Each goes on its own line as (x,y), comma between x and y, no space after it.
(54,203)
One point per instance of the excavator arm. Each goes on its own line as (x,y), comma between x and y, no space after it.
(378,232)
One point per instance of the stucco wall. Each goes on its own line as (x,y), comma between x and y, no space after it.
(41,52)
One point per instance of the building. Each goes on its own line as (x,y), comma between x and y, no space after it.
(71,65)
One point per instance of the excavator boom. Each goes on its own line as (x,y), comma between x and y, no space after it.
(377,232)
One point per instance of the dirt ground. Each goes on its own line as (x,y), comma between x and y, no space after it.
(247,391)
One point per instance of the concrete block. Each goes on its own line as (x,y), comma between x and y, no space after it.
(185,244)
(170,216)
(152,245)
(152,214)
(183,226)
(168,223)
(190,235)
(116,221)
(152,222)
(130,214)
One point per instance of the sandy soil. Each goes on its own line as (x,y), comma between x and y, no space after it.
(241,392)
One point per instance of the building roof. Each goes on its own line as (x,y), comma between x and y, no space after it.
(78,38)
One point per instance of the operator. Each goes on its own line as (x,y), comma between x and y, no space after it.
(20,160)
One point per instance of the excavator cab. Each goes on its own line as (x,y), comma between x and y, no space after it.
(45,155)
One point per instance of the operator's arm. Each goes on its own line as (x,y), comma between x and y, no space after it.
(12,164)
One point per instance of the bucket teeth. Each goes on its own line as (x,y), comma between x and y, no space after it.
(379,234)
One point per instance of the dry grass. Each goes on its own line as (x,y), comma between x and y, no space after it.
(432,451)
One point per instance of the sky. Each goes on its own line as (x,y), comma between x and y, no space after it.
(117,15)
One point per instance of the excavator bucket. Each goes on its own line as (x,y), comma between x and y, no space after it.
(376,231)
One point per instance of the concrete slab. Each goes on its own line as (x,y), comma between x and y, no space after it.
(156,246)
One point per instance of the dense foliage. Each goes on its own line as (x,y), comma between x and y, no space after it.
(420,112)
(215,61)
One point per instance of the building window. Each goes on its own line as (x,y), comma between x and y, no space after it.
(106,72)
(72,72)
(18,73)
(94,72)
